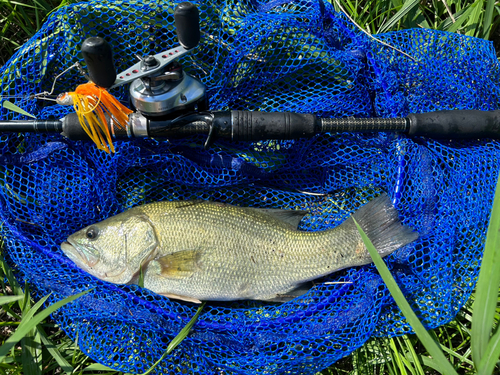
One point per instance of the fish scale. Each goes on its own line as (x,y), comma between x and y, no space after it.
(199,250)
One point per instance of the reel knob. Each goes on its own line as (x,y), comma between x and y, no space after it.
(187,24)
(98,55)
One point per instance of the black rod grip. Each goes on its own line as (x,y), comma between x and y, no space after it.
(187,24)
(456,124)
(254,126)
(99,58)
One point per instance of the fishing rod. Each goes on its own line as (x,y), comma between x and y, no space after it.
(169,103)
(254,126)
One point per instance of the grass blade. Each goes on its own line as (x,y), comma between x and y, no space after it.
(447,23)
(397,358)
(28,315)
(405,9)
(31,353)
(413,355)
(488,18)
(141,276)
(54,352)
(8,299)
(16,288)
(491,355)
(487,285)
(27,325)
(461,19)
(424,336)
(97,367)
(31,347)
(12,107)
(177,339)
(184,332)
(473,25)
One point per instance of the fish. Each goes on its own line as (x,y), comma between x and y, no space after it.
(209,251)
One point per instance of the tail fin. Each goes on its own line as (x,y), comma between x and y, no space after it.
(380,221)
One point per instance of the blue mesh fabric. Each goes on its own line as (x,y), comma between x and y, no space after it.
(275,56)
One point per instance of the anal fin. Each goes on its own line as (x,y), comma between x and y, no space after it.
(182,298)
(288,296)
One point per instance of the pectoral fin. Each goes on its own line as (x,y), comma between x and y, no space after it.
(179,265)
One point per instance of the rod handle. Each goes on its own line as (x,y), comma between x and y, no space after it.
(455,124)
(254,126)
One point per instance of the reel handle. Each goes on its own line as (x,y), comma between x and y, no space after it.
(99,58)
(187,24)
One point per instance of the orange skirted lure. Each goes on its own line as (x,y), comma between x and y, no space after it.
(92,103)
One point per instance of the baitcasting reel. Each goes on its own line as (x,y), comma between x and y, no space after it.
(159,88)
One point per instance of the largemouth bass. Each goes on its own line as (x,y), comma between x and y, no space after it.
(202,250)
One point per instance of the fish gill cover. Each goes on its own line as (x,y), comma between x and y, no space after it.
(296,56)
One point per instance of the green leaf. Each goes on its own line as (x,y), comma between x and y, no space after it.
(405,9)
(31,348)
(28,314)
(424,336)
(12,107)
(54,352)
(413,355)
(473,26)
(8,299)
(460,18)
(397,358)
(488,18)
(27,325)
(141,277)
(16,289)
(487,287)
(97,367)
(185,331)
(432,363)
(177,339)
(491,355)
(31,353)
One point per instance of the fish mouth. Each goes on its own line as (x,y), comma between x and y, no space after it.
(86,261)
(75,251)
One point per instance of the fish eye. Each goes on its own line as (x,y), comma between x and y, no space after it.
(92,233)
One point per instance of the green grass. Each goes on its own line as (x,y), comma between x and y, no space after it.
(478,18)
(19,21)
(30,343)
(397,355)
(44,349)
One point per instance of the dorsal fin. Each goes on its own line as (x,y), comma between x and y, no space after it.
(190,203)
(291,217)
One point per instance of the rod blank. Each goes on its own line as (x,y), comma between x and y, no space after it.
(31,126)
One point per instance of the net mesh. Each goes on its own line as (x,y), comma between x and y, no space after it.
(297,56)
